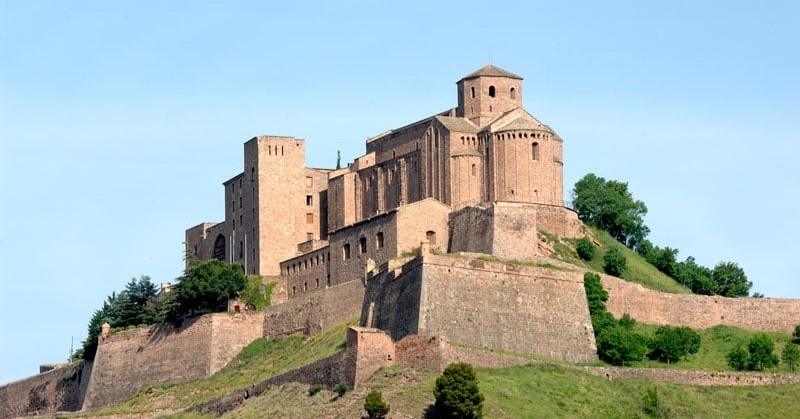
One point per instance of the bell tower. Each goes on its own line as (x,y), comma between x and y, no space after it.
(488,93)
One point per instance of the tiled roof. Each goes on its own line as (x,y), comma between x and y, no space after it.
(491,70)
(457,124)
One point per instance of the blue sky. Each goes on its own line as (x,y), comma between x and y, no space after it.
(120,121)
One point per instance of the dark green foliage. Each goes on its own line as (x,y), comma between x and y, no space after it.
(257,294)
(618,346)
(457,393)
(652,405)
(615,262)
(757,295)
(762,352)
(135,306)
(340,389)
(596,295)
(791,355)
(375,406)
(108,313)
(662,259)
(671,344)
(207,286)
(603,320)
(731,280)
(738,358)
(611,207)
(313,390)
(585,248)
(627,321)
(796,334)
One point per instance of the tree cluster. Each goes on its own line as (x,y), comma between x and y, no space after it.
(617,341)
(760,354)
(609,206)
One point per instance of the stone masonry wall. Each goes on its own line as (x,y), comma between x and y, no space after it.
(471,230)
(561,221)
(514,230)
(53,391)
(506,306)
(699,311)
(128,361)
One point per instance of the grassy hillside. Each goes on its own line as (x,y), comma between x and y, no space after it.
(638,270)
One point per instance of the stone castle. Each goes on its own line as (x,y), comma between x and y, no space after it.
(399,238)
(480,177)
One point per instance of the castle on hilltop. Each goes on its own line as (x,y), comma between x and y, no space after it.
(486,169)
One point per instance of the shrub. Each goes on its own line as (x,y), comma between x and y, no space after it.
(457,393)
(596,295)
(738,358)
(796,334)
(585,248)
(615,262)
(627,321)
(617,345)
(790,355)
(340,389)
(375,406)
(652,405)
(602,321)
(762,352)
(316,388)
(672,344)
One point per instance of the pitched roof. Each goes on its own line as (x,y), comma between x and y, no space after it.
(491,70)
(457,124)
(466,151)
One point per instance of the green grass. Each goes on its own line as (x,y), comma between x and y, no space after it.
(262,359)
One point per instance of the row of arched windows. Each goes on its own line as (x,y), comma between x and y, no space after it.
(309,262)
(362,245)
(512,93)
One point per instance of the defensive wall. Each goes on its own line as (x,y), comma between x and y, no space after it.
(486,304)
(59,389)
(699,311)
(129,360)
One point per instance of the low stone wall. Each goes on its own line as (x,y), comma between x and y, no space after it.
(699,311)
(128,361)
(56,390)
(697,378)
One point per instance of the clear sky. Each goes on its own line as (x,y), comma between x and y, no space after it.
(120,120)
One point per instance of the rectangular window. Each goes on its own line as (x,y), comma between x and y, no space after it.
(309,218)
(309,236)
(309,181)
(309,200)
(346,251)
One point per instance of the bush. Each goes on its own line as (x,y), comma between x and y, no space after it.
(738,358)
(672,344)
(791,355)
(652,405)
(375,406)
(340,389)
(627,321)
(313,390)
(615,262)
(617,345)
(762,352)
(457,393)
(585,248)
(602,321)
(796,334)
(596,295)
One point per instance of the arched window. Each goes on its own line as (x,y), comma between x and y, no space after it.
(362,245)
(219,248)
(535,151)
(473,170)
(346,251)
(431,237)
(491,91)
(379,240)
(513,93)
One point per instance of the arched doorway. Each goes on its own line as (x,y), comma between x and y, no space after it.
(219,248)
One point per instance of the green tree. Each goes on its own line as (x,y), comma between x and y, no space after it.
(672,344)
(596,295)
(790,355)
(615,262)
(207,286)
(107,313)
(585,248)
(738,358)
(694,276)
(256,293)
(618,346)
(762,352)
(136,302)
(627,321)
(457,393)
(375,406)
(730,280)
(796,334)
(609,205)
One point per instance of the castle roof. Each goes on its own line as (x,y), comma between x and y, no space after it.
(457,124)
(466,151)
(493,71)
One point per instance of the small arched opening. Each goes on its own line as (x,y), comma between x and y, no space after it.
(219,248)
(513,93)
(491,91)
(430,236)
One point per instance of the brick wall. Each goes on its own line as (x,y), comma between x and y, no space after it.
(505,230)
(52,391)
(129,360)
(699,311)
(558,220)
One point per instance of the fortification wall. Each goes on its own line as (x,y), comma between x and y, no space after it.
(128,361)
(561,221)
(471,230)
(700,311)
(53,391)
(514,230)
(314,312)
(392,300)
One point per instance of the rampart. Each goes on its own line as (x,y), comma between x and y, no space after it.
(497,305)
(56,390)
(700,311)
(129,360)
(314,312)
(505,229)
